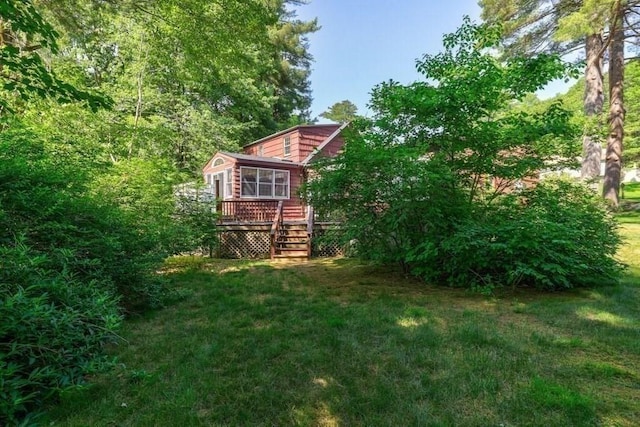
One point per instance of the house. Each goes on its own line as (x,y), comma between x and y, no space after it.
(259,189)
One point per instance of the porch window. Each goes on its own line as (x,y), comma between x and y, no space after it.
(281,184)
(228,183)
(286,142)
(264,183)
(249,180)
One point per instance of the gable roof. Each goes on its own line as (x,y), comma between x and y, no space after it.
(326,142)
(247,157)
(291,129)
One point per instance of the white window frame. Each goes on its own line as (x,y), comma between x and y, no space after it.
(273,183)
(286,146)
(228,183)
(217,162)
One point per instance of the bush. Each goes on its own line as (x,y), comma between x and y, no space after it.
(72,259)
(424,182)
(53,331)
(555,236)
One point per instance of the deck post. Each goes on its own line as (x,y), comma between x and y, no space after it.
(310,225)
(275,228)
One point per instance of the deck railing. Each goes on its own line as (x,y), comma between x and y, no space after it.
(276,226)
(247,210)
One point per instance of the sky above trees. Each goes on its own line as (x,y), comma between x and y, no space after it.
(365,42)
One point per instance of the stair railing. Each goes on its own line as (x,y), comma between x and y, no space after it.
(275,228)
(310,219)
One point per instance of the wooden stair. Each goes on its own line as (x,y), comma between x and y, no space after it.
(292,242)
(293,213)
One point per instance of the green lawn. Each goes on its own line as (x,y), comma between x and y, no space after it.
(631,191)
(336,342)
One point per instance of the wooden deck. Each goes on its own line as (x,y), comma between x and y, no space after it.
(266,228)
(260,211)
(287,228)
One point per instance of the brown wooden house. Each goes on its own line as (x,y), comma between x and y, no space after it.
(258,189)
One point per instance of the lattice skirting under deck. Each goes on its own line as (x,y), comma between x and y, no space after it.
(244,244)
(255,242)
(323,246)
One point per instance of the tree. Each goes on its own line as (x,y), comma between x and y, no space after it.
(293,65)
(341,112)
(181,92)
(613,166)
(567,23)
(23,72)
(617,18)
(530,27)
(433,181)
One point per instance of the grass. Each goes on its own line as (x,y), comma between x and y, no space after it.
(337,342)
(631,191)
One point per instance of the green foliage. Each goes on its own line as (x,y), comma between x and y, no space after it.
(54,327)
(87,203)
(341,112)
(198,215)
(75,252)
(573,101)
(557,235)
(47,200)
(24,72)
(58,303)
(423,183)
(179,92)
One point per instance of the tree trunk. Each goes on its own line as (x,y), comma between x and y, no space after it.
(593,103)
(613,167)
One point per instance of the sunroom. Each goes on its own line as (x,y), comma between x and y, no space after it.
(249,188)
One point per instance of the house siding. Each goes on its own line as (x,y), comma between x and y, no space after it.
(312,138)
(333,148)
(303,141)
(275,147)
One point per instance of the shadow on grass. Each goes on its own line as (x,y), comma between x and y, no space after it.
(337,342)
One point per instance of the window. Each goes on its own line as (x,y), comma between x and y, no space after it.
(217,162)
(261,150)
(264,183)
(287,146)
(228,183)
(281,184)
(209,179)
(248,179)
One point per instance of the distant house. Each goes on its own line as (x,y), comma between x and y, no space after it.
(260,186)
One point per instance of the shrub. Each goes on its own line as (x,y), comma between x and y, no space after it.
(53,331)
(424,182)
(555,236)
(72,259)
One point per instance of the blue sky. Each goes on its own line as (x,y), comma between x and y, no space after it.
(365,42)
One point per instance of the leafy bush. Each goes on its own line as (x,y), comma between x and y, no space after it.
(53,330)
(72,260)
(555,236)
(388,200)
(45,198)
(425,182)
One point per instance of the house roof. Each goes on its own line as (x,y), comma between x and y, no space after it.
(247,157)
(326,142)
(291,129)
